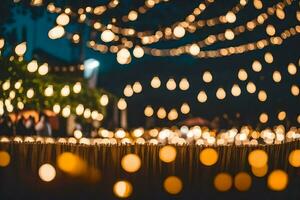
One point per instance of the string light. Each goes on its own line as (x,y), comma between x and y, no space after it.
(207,77)
(63,19)
(104,100)
(292,69)
(202,97)
(21,48)
(242,75)
(148,111)
(56,32)
(220,94)
(173,185)
(171,84)
(122,105)
(184,84)
(155,82)
(161,113)
(43,69)
(122,189)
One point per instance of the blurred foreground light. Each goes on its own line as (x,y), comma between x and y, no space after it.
(202,97)
(21,49)
(148,111)
(259,171)
(43,69)
(194,49)
(63,19)
(278,180)
(294,158)
(49,91)
(138,52)
(223,182)
(242,181)
(179,31)
(131,163)
(30,93)
(71,164)
(56,108)
(77,87)
(77,134)
(56,32)
(155,82)
(47,172)
(104,100)
(2,43)
(230,17)
(208,156)
(167,154)
(107,36)
(66,111)
(4,159)
(122,105)
(65,91)
(258,158)
(122,189)
(173,185)
(32,66)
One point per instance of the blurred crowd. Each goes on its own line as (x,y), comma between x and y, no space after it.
(25,126)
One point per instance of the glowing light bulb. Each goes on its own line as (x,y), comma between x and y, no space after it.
(43,69)
(63,19)
(107,36)
(32,66)
(21,49)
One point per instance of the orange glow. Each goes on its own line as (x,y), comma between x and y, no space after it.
(258,158)
(173,185)
(278,180)
(242,181)
(4,159)
(208,156)
(167,154)
(223,182)
(131,163)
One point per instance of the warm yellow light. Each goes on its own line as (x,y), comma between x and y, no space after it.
(66,111)
(128,92)
(258,4)
(65,91)
(251,88)
(295,90)
(49,91)
(223,182)
(122,105)
(123,56)
(230,17)
(259,171)
(77,87)
(263,118)
(63,19)
(281,115)
(148,111)
(172,115)
(21,49)
(278,180)
(262,96)
(4,159)
(268,57)
(107,36)
(161,113)
(47,172)
(256,66)
(87,113)
(2,43)
(20,105)
(221,94)
(155,82)
(167,154)
(270,30)
(56,32)
(131,163)
(294,158)
(77,134)
(122,189)
(185,108)
(194,49)
(258,158)
(71,164)
(56,108)
(104,100)
(30,93)
(184,84)
(120,133)
(171,84)
(292,69)
(229,34)
(208,156)
(32,66)
(137,87)
(6,85)
(43,69)
(280,13)
(138,52)
(132,15)
(173,185)
(202,97)
(242,181)
(18,84)
(276,76)
(179,31)
(79,109)
(242,75)
(236,90)
(207,77)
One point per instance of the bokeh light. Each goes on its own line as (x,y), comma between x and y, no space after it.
(223,182)
(258,158)
(122,189)
(173,185)
(259,171)
(167,154)
(47,172)
(208,156)
(278,180)
(294,158)
(242,181)
(131,163)
(4,159)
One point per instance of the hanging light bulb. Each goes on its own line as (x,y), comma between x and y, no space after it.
(155,82)
(184,84)
(49,91)
(171,84)
(66,111)
(43,69)
(56,32)
(138,52)
(21,49)
(128,92)
(32,66)
(6,85)
(65,91)
(77,87)
(179,31)
(79,109)
(63,19)
(148,111)
(56,108)
(107,36)
(194,49)
(122,105)
(123,56)
(104,100)
(30,93)
(137,87)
